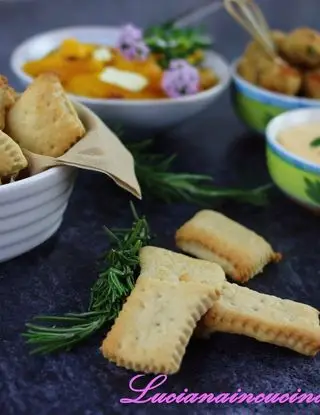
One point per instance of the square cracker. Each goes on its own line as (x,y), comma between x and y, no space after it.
(214,237)
(264,317)
(155,325)
(43,120)
(166,265)
(12,159)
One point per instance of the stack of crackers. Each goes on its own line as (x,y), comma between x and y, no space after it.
(41,120)
(176,296)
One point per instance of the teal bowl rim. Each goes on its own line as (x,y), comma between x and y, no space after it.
(284,154)
(275,99)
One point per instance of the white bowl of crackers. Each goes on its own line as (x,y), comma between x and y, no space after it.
(31,210)
(43,137)
(31,206)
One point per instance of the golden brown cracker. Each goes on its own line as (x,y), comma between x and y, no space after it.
(155,325)
(264,317)
(43,120)
(214,237)
(12,159)
(238,310)
(166,265)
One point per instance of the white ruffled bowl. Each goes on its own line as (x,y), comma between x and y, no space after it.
(31,210)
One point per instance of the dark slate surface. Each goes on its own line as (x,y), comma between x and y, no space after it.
(56,277)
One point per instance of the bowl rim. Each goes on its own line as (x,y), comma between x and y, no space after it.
(302,101)
(20,74)
(30,181)
(274,126)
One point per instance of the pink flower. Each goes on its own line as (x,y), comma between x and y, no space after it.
(129,33)
(180,79)
(131,44)
(178,64)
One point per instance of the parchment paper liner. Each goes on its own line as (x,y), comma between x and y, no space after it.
(99,150)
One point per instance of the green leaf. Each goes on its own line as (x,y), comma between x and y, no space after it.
(313,189)
(171,42)
(315,142)
(267,118)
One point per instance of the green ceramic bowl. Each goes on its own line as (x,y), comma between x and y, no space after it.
(257,106)
(296,177)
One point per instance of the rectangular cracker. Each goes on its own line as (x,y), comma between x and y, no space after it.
(43,119)
(238,310)
(155,325)
(264,317)
(166,265)
(214,237)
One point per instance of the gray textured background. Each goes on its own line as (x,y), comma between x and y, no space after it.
(56,276)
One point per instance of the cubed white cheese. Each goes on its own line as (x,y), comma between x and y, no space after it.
(124,79)
(102,54)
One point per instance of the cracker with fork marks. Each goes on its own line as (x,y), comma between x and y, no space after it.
(167,265)
(155,325)
(211,236)
(264,317)
(238,310)
(43,120)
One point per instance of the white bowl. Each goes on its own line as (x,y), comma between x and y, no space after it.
(31,210)
(140,113)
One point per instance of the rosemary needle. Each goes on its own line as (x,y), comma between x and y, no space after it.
(156,178)
(114,284)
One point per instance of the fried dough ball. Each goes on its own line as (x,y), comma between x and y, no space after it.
(311,84)
(302,47)
(279,77)
(248,71)
(258,68)
(253,62)
(255,59)
(254,50)
(278,37)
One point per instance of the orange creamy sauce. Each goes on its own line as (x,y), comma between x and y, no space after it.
(79,71)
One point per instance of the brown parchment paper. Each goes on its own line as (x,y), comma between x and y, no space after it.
(99,150)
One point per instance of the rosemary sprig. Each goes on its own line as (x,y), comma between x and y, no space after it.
(114,284)
(170,42)
(156,178)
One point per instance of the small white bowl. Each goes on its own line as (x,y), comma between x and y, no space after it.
(31,210)
(139,113)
